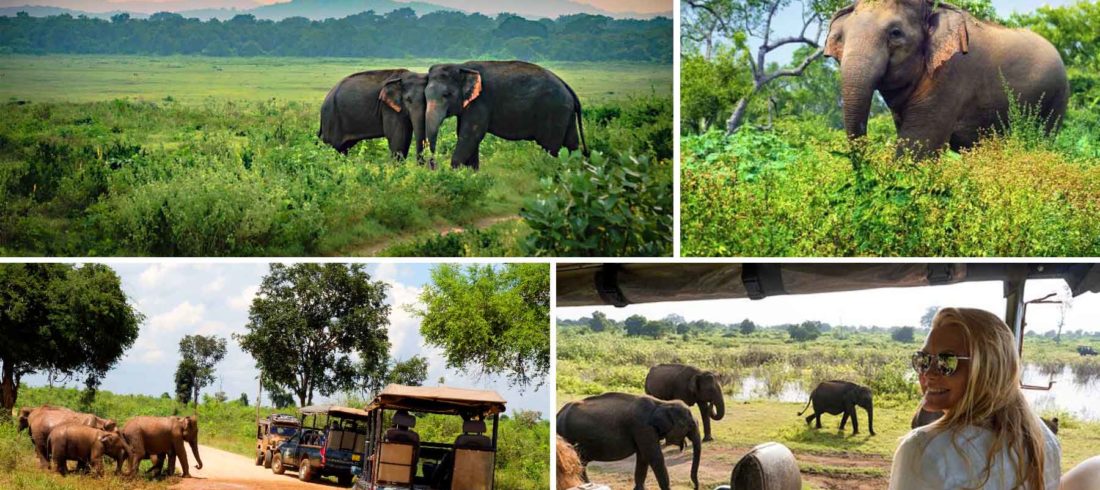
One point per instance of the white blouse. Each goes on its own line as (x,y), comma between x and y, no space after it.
(952,460)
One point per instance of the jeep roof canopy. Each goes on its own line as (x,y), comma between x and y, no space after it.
(335,411)
(439,399)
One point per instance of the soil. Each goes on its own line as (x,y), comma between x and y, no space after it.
(374,248)
(223,470)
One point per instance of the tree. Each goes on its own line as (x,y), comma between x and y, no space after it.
(308,320)
(598,323)
(243,400)
(804,332)
(64,319)
(903,334)
(492,319)
(659,328)
(411,372)
(747,327)
(635,325)
(929,315)
(198,355)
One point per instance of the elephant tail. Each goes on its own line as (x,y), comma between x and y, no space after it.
(807,406)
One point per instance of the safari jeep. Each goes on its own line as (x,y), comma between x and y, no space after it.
(396,458)
(330,443)
(272,431)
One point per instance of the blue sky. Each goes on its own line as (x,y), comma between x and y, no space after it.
(213,298)
(789,23)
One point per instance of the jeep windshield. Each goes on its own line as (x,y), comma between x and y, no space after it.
(284,430)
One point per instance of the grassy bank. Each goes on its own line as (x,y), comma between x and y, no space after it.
(522,457)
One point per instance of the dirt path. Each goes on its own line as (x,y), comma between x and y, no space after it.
(224,470)
(820,472)
(372,249)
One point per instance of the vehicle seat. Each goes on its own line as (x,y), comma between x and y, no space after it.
(402,429)
(399,452)
(473,436)
(1084,476)
(769,466)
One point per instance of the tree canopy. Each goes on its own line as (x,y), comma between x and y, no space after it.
(491,319)
(198,355)
(410,372)
(397,34)
(309,322)
(66,319)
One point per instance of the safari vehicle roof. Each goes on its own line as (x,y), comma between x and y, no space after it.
(623,284)
(439,399)
(334,410)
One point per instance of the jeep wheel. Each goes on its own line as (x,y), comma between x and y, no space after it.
(305,472)
(259,457)
(344,479)
(267,459)
(277,464)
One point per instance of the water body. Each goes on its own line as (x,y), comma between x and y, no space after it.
(1071,393)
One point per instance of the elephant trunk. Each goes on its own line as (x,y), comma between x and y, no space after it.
(696,453)
(718,408)
(433,119)
(859,75)
(195,449)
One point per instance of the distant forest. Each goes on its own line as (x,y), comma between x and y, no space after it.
(397,34)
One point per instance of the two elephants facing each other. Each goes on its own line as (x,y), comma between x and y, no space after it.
(162,438)
(942,72)
(841,397)
(513,100)
(690,385)
(614,426)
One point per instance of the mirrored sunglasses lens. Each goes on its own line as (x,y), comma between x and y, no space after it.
(921,362)
(948,364)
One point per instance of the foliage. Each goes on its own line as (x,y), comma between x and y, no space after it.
(709,88)
(410,372)
(308,320)
(903,334)
(198,355)
(747,327)
(612,206)
(64,319)
(599,321)
(397,34)
(804,331)
(492,319)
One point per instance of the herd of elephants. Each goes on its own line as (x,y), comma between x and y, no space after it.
(514,100)
(615,426)
(61,435)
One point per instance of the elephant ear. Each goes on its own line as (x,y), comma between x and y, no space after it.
(834,41)
(471,86)
(391,93)
(662,420)
(947,35)
(693,386)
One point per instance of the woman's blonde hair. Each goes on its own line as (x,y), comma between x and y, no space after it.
(569,466)
(993,397)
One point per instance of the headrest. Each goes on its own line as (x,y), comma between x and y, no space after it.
(769,466)
(404,420)
(477,426)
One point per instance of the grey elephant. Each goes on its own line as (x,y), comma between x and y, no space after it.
(690,385)
(87,446)
(614,426)
(841,397)
(375,104)
(510,99)
(41,421)
(939,70)
(162,438)
(924,417)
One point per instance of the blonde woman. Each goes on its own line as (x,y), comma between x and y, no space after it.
(988,437)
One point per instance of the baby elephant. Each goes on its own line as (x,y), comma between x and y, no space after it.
(841,397)
(86,445)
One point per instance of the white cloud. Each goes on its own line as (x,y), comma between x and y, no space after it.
(243,300)
(184,314)
(210,328)
(386,272)
(404,330)
(215,286)
(156,274)
(151,356)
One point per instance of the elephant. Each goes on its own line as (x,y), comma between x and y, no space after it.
(835,397)
(373,104)
(613,426)
(41,421)
(86,445)
(940,71)
(160,438)
(689,385)
(924,417)
(510,99)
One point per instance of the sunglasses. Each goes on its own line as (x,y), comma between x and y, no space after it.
(946,363)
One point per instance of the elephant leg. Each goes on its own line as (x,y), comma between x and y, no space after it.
(855,421)
(552,135)
(181,454)
(844,420)
(471,130)
(810,418)
(640,470)
(817,416)
(649,454)
(572,141)
(399,143)
(40,451)
(925,131)
(704,410)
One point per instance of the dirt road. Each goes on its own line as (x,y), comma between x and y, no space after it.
(223,470)
(856,472)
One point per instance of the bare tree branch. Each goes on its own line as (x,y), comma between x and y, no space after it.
(797,71)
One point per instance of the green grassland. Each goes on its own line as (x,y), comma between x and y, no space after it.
(593,363)
(521,463)
(120,155)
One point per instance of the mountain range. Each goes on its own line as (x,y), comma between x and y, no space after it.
(314,9)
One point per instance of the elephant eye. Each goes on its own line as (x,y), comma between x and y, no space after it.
(895,33)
